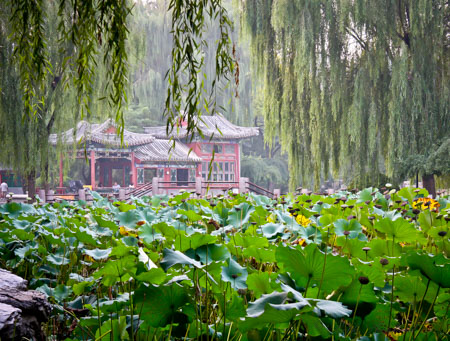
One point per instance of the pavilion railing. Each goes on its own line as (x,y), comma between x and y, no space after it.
(259,190)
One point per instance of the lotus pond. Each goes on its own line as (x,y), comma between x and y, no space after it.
(352,266)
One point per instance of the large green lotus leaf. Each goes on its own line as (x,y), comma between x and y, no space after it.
(113,330)
(146,214)
(353,247)
(435,268)
(20,224)
(23,252)
(194,241)
(378,320)
(152,276)
(409,193)
(234,308)
(212,252)
(191,215)
(262,255)
(315,327)
(355,290)
(149,234)
(382,248)
(105,223)
(327,219)
(270,229)
(168,231)
(62,292)
(259,283)
(13,209)
(271,308)
(411,288)
(352,226)
(237,218)
(115,304)
(221,214)
(161,305)
(234,274)
(310,264)
(371,271)
(246,240)
(124,207)
(441,306)
(23,235)
(330,308)
(259,215)
(117,270)
(59,259)
(286,218)
(399,230)
(365,195)
(98,254)
(128,219)
(172,258)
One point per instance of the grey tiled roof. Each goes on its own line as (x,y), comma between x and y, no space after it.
(160,151)
(217,126)
(86,132)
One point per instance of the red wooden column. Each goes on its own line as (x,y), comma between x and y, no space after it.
(238,162)
(61,174)
(93,169)
(133,170)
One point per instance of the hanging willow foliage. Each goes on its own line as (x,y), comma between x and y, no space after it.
(186,98)
(356,89)
(52,47)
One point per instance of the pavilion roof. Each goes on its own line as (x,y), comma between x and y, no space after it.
(217,126)
(103,133)
(160,151)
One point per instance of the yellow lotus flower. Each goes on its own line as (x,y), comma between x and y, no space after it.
(425,203)
(125,232)
(302,220)
(271,218)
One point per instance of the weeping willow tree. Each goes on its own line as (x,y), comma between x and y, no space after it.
(356,89)
(56,51)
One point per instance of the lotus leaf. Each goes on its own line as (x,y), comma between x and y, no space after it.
(234,274)
(435,268)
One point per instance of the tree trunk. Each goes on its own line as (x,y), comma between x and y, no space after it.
(429,184)
(31,185)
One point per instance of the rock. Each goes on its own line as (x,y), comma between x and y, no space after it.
(11,281)
(22,311)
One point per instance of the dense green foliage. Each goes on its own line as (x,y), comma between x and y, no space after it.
(75,53)
(361,266)
(354,88)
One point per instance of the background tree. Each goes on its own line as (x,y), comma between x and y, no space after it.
(359,89)
(89,33)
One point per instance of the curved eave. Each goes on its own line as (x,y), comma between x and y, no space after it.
(160,151)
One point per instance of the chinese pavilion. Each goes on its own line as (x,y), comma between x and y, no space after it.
(173,160)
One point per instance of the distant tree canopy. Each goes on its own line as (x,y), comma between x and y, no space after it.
(354,88)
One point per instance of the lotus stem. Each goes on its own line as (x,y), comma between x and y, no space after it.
(392,298)
(356,308)
(414,321)
(428,312)
(324,264)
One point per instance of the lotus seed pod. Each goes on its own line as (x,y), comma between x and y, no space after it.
(363,280)
(346,233)
(416,211)
(350,217)
(366,249)
(384,261)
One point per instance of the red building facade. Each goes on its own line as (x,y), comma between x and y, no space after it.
(176,162)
